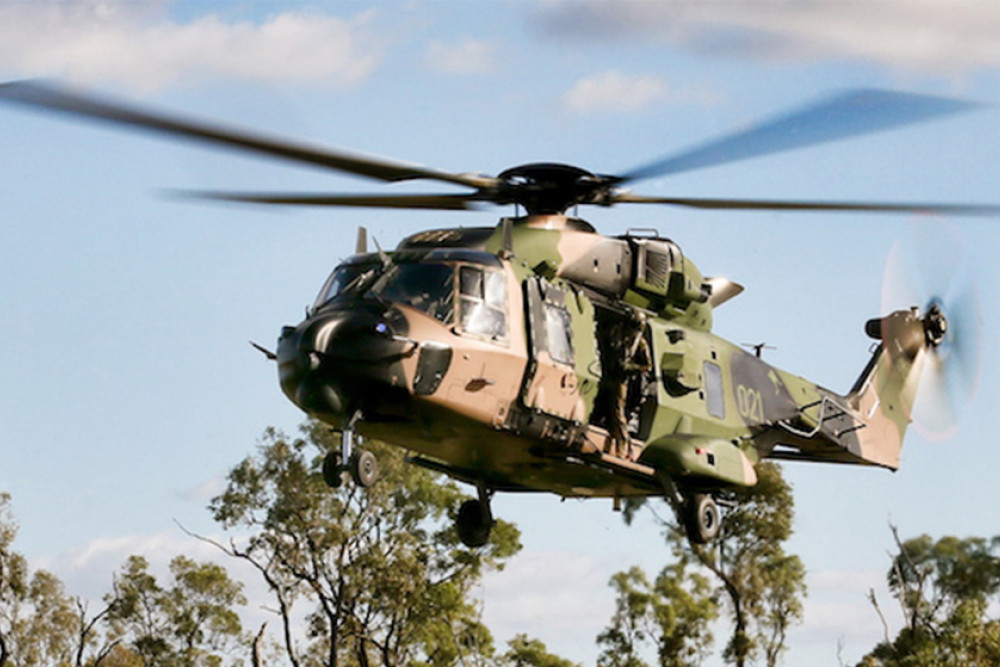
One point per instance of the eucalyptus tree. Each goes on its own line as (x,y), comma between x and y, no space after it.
(378,574)
(947,592)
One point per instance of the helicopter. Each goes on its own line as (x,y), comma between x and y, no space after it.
(537,355)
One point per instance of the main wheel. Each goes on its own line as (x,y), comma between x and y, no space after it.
(702,518)
(332,470)
(364,468)
(473,523)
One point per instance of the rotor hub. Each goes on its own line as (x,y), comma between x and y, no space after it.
(935,326)
(551,188)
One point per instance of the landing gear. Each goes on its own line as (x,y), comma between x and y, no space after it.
(698,513)
(475,520)
(361,464)
(333,471)
(363,468)
(702,519)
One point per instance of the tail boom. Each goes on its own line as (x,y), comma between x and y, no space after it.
(884,395)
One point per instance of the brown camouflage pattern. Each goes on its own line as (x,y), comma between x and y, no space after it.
(525,412)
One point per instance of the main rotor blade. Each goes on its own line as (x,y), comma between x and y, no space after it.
(783,205)
(461,202)
(850,114)
(53,98)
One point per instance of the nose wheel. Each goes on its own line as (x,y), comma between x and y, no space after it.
(360,464)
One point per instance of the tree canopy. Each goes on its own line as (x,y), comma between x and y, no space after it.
(382,569)
(379,576)
(758,584)
(945,588)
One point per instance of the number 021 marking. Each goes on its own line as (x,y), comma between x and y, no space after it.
(750,403)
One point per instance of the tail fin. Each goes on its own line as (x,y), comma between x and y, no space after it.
(883,396)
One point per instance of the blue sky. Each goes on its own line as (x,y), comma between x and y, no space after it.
(127,388)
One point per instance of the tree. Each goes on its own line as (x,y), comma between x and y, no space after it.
(190,624)
(44,631)
(630,624)
(944,588)
(684,607)
(39,623)
(13,580)
(526,652)
(761,584)
(386,577)
(673,613)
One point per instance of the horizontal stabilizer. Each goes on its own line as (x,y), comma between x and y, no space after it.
(723,289)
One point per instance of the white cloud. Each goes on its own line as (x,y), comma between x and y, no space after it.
(560,597)
(140,46)
(614,91)
(205,491)
(88,571)
(471,56)
(916,34)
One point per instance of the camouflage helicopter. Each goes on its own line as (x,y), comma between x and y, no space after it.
(539,355)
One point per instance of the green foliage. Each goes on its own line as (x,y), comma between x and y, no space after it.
(944,588)
(934,577)
(37,619)
(673,614)
(190,624)
(764,586)
(683,608)
(630,624)
(761,585)
(526,652)
(382,568)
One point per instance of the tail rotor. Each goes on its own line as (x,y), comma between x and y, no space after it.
(940,285)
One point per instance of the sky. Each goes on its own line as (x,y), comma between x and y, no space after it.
(128,389)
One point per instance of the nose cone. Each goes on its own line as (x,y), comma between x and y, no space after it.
(331,363)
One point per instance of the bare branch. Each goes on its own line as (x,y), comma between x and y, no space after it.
(256,658)
(881,616)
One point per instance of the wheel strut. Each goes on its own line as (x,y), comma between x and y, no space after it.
(698,514)
(361,464)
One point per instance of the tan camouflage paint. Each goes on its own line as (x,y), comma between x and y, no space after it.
(716,409)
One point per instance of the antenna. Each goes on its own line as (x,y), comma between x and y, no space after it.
(758,348)
(361,245)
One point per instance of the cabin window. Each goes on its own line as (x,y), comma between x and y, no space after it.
(558,333)
(483,302)
(715,400)
(426,287)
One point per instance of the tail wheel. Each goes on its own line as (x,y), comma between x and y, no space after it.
(363,468)
(702,518)
(474,523)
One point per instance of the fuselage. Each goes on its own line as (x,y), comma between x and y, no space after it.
(489,354)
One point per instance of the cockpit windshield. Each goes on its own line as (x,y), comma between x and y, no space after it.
(424,286)
(463,291)
(347,278)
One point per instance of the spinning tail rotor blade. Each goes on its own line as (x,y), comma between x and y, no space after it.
(952,370)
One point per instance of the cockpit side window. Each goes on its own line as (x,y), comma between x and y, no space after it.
(483,302)
(558,333)
(426,287)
